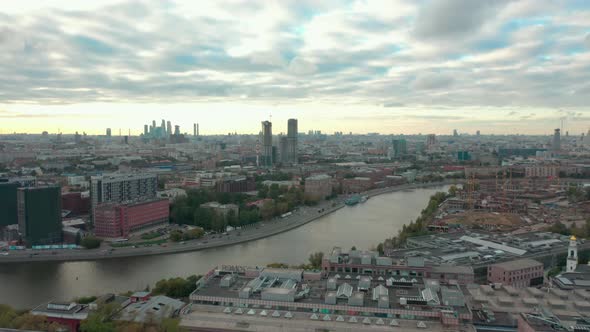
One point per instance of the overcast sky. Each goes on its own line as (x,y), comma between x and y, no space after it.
(363,66)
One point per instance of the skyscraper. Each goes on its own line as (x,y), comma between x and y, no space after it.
(284,149)
(430,140)
(267,143)
(556,144)
(39,215)
(176,130)
(169,128)
(154,124)
(292,141)
(455,133)
(108,132)
(195,129)
(145,130)
(400,148)
(163,126)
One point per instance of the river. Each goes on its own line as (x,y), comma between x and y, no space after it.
(25,285)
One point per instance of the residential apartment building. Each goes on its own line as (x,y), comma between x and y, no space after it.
(121,188)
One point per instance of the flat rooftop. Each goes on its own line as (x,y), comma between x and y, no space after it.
(318,289)
(205,317)
(564,304)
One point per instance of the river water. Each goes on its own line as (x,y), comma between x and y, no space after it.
(364,225)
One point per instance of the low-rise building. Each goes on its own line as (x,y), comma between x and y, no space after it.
(318,186)
(517,273)
(119,220)
(222,209)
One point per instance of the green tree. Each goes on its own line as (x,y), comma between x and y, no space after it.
(192,234)
(171,325)
(232,218)
(7,316)
(85,299)
(315,259)
(267,210)
(218,223)
(90,242)
(175,236)
(203,217)
(274,191)
(453,190)
(263,191)
(176,287)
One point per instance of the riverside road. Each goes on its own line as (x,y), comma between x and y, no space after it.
(301,216)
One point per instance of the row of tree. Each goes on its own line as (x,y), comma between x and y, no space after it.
(419,226)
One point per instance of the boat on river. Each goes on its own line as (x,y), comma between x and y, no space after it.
(355,199)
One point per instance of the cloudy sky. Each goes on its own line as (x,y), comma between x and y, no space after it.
(363,66)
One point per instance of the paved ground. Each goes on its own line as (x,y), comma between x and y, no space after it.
(254,232)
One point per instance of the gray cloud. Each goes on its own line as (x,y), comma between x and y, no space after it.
(393,104)
(454,18)
(587,40)
(432,82)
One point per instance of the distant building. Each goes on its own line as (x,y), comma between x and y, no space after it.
(517,273)
(114,220)
(400,148)
(430,141)
(284,149)
(222,209)
(556,144)
(357,184)
(541,171)
(76,203)
(292,137)
(233,185)
(152,309)
(120,188)
(108,132)
(267,152)
(318,186)
(39,215)
(68,314)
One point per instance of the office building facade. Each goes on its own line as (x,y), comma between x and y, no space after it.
(39,215)
(8,204)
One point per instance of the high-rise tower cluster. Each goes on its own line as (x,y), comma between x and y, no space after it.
(287,147)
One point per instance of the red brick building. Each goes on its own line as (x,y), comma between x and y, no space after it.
(118,220)
(76,203)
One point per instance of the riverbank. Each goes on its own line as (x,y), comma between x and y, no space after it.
(265,229)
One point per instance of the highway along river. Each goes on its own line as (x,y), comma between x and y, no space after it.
(364,225)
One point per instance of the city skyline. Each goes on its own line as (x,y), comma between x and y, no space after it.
(362,66)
